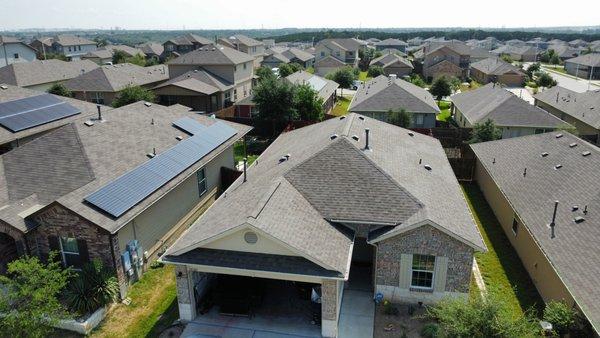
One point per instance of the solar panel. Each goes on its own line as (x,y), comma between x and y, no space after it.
(123,193)
(189,125)
(34,111)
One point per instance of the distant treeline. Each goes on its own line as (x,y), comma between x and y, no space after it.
(458,35)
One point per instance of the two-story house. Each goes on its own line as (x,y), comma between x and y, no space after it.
(42,74)
(332,54)
(246,44)
(12,50)
(208,79)
(71,46)
(184,44)
(391,44)
(277,55)
(448,58)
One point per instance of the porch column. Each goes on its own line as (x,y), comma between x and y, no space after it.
(331,300)
(185,293)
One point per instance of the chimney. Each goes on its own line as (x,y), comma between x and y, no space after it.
(553,223)
(245,165)
(99,112)
(367,139)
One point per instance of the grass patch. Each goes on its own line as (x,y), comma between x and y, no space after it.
(238,153)
(444,114)
(362,76)
(501,268)
(153,307)
(341,106)
(472,85)
(556,68)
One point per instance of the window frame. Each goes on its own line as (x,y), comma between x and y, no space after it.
(413,270)
(16,56)
(64,253)
(97,97)
(201,182)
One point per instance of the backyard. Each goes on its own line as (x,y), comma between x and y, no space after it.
(341,106)
(445,113)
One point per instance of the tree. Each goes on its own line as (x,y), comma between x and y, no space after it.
(29,303)
(264,72)
(131,94)
(532,69)
(60,90)
(274,101)
(506,58)
(455,83)
(545,80)
(561,316)
(100,42)
(417,80)
(375,71)
(50,56)
(119,56)
(137,59)
(441,87)
(555,60)
(286,69)
(343,76)
(308,104)
(400,118)
(486,131)
(365,58)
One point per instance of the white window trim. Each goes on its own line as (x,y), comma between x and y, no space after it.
(419,270)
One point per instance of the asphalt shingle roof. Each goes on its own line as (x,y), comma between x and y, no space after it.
(383,93)
(349,44)
(574,252)
(200,81)
(590,60)
(584,107)
(25,74)
(190,39)
(391,42)
(303,77)
(495,66)
(387,60)
(504,108)
(71,40)
(112,78)
(212,55)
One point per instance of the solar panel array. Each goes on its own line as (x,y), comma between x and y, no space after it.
(123,193)
(189,125)
(34,111)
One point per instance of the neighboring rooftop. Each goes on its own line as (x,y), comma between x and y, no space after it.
(495,66)
(503,107)
(244,40)
(71,40)
(573,252)
(200,81)
(113,78)
(384,93)
(324,87)
(391,42)
(212,55)
(348,44)
(590,60)
(190,39)
(38,72)
(389,59)
(151,48)
(584,106)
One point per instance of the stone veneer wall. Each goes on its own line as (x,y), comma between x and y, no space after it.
(331,299)
(425,240)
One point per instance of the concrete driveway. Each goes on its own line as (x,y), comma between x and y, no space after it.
(572,83)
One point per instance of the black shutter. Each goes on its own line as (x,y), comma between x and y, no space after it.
(84,255)
(54,246)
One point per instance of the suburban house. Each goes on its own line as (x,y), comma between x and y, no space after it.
(348,208)
(586,66)
(515,42)
(16,137)
(118,186)
(102,84)
(325,88)
(376,97)
(152,50)
(448,58)
(372,41)
(578,43)
(332,54)
(538,43)
(71,46)
(581,110)
(42,74)
(497,70)
(104,55)
(393,64)
(543,190)
(184,44)
(518,53)
(565,51)
(513,115)
(208,79)
(391,44)
(42,45)
(248,45)
(13,50)
(278,55)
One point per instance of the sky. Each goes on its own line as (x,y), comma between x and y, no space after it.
(246,14)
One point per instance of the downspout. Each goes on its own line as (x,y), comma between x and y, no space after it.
(5,55)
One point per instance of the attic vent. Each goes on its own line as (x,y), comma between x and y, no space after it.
(579,219)
(559,135)
(250,237)
(427,166)
(573,145)
(179,138)
(88,123)
(147,104)
(4,87)
(575,208)
(544,154)
(586,153)
(333,137)
(410,133)
(362,118)
(355,137)
(342,117)
(558,166)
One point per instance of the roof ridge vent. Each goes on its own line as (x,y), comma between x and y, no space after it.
(573,145)
(544,154)
(559,135)
(558,166)
(333,137)
(427,166)
(579,219)
(586,153)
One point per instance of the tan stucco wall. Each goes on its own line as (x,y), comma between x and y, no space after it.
(539,268)
(236,242)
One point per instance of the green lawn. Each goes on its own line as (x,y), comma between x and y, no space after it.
(153,307)
(501,268)
(555,68)
(473,85)
(238,153)
(362,76)
(341,106)
(444,114)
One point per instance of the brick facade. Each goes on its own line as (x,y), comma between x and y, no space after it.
(425,240)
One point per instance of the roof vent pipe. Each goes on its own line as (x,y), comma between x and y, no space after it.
(99,112)
(585,210)
(525,172)
(553,223)
(367,139)
(245,165)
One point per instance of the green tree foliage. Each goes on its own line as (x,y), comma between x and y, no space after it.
(308,104)
(486,131)
(60,90)
(555,60)
(95,286)
(506,58)
(441,87)
(29,302)
(274,101)
(455,83)
(50,56)
(545,80)
(561,316)
(481,317)
(137,59)
(100,41)
(547,55)
(400,118)
(264,73)
(344,77)
(286,69)
(417,80)
(119,56)
(366,56)
(131,94)
(375,71)
(532,69)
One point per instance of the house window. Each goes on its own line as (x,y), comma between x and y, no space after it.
(235,94)
(419,120)
(97,97)
(228,95)
(515,226)
(69,49)
(78,47)
(322,53)
(235,68)
(422,271)
(69,251)
(201,177)
(245,66)
(16,56)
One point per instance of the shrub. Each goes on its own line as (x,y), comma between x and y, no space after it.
(389,308)
(545,80)
(560,315)
(375,71)
(60,90)
(94,287)
(131,94)
(417,80)
(430,330)
(441,87)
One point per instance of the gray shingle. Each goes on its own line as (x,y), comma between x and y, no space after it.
(584,107)
(112,78)
(212,55)
(495,66)
(32,73)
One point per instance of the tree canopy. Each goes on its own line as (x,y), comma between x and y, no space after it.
(131,94)
(486,131)
(119,56)
(400,118)
(545,80)
(274,101)
(60,90)
(441,87)
(375,71)
(308,103)
(286,69)
(264,72)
